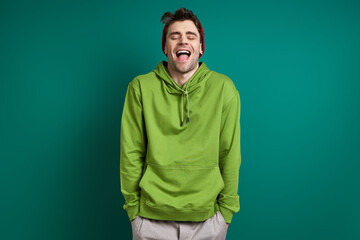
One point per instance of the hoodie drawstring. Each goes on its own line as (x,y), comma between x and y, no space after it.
(186,93)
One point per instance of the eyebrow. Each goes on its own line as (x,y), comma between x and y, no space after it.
(188,32)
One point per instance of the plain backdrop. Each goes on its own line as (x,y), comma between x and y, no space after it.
(64,70)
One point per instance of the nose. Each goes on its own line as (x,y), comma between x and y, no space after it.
(183,40)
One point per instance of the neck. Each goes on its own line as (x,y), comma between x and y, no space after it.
(179,77)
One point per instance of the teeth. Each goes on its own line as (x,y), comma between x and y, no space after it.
(183,51)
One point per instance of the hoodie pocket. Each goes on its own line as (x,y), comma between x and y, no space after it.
(187,188)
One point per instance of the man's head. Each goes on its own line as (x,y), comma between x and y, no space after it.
(183,40)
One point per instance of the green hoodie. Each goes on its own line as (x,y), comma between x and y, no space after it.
(177,171)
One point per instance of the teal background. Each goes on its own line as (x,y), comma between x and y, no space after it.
(64,70)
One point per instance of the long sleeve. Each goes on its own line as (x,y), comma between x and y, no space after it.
(133,144)
(230,157)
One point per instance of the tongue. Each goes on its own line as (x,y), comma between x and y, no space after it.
(183,57)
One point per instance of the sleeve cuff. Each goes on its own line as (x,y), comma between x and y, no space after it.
(132,211)
(227,214)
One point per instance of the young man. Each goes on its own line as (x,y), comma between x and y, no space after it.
(179,174)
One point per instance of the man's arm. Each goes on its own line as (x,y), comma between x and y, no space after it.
(133,143)
(230,157)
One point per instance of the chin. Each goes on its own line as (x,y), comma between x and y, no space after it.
(184,69)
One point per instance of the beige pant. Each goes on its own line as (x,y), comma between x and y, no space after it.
(214,228)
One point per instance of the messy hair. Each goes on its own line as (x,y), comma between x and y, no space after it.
(181,14)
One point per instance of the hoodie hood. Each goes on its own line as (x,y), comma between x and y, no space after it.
(190,86)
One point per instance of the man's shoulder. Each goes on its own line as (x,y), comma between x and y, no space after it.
(142,79)
(220,76)
(226,83)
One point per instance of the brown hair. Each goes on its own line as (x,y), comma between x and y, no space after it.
(181,14)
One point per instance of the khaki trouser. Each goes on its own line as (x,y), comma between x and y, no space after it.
(214,228)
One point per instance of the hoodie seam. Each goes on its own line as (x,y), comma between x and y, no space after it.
(182,167)
(162,207)
(226,105)
(137,92)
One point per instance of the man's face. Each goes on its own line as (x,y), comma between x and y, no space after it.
(183,46)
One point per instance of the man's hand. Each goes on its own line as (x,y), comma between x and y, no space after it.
(228,225)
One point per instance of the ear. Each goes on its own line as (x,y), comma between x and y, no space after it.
(201,52)
(165,50)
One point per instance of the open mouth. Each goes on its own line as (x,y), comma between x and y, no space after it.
(183,55)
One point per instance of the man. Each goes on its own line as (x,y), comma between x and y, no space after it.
(179,178)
